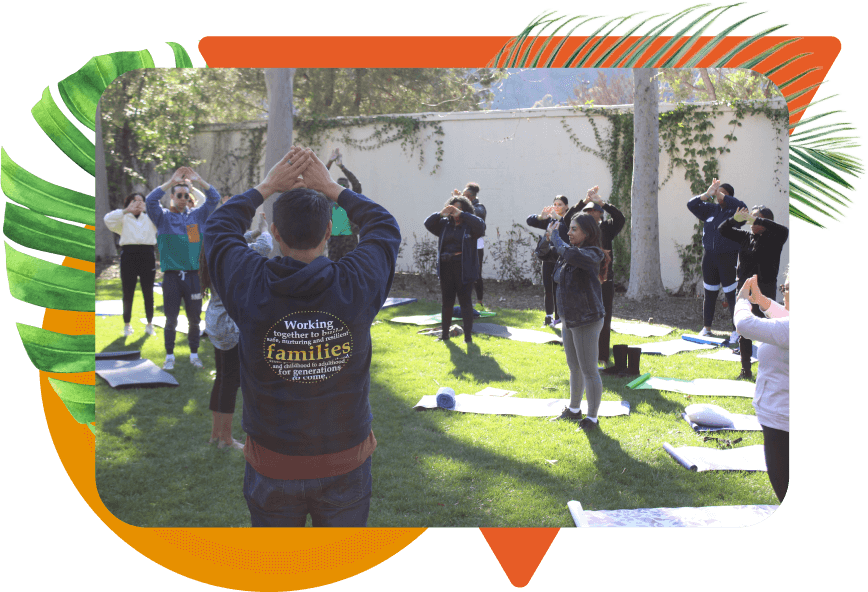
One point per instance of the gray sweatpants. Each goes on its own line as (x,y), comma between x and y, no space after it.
(581,345)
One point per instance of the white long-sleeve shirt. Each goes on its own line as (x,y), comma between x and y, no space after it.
(133,231)
(772,395)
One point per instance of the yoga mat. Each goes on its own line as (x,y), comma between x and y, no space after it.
(697,458)
(721,516)
(396,302)
(727,355)
(490,391)
(431,319)
(640,329)
(526,335)
(141,372)
(119,355)
(740,423)
(524,407)
(708,339)
(182,326)
(675,346)
(705,387)
(109,307)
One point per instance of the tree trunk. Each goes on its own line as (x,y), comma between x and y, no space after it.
(105,242)
(278,135)
(645,278)
(709,87)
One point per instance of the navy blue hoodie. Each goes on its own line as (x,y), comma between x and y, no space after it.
(305,343)
(713,214)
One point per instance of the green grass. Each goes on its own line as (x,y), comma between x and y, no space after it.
(154,466)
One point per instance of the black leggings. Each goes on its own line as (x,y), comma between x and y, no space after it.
(776,445)
(450,286)
(481,253)
(227,380)
(138,265)
(718,270)
(548,269)
(608,301)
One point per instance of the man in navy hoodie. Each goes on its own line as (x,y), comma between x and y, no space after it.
(305,342)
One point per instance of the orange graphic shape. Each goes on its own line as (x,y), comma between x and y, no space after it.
(519,550)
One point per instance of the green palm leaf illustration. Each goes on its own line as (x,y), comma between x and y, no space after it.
(819,163)
(78,398)
(46,284)
(58,352)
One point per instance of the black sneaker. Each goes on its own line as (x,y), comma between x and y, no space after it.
(547,322)
(586,425)
(567,414)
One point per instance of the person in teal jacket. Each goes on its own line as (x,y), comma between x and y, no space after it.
(179,240)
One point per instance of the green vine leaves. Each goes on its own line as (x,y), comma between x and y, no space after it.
(34,280)
(819,158)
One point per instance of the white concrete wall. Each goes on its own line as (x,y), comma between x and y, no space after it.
(522,159)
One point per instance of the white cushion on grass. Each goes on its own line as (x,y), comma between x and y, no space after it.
(708,415)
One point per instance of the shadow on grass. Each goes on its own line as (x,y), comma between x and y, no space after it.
(468,360)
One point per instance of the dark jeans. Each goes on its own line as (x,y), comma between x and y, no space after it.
(227,380)
(776,445)
(187,289)
(138,264)
(451,286)
(344,500)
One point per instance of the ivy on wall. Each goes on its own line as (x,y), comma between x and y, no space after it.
(687,137)
(410,131)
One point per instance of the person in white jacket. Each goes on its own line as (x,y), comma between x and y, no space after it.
(138,264)
(772,396)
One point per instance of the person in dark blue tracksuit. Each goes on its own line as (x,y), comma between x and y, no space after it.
(720,254)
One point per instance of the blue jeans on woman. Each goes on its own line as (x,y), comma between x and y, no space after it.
(343,500)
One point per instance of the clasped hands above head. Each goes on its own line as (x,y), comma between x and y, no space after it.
(300,167)
(751,291)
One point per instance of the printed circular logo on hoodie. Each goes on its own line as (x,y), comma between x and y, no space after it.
(307,346)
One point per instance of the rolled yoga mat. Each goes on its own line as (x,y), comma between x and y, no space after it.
(697,458)
(445,398)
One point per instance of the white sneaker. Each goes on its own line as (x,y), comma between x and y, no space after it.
(705,331)
(128,331)
(196,362)
(734,337)
(169,364)
(149,329)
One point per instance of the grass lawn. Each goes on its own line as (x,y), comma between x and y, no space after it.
(154,466)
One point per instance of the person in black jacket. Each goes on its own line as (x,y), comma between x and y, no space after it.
(457,265)
(471,190)
(560,211)
(609,229)
(760,255)
(580,300)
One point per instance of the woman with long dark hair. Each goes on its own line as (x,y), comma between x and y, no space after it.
(559,210)
(224,336)
(457,228)
(138,263)
(580,304)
